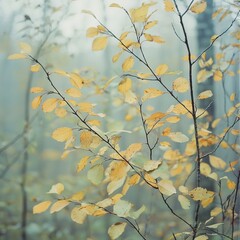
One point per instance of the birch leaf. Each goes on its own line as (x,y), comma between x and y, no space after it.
(59,205)
(169,6)
(217,162)
(199,7)
(161,69)
(62,134)
(205,94)
(128,64)
(95,174)
(184,202)
(99,43)
(116,230)
(57,188)
(181,85)
(166,187)
(41,207)
(49,105)
(36,102)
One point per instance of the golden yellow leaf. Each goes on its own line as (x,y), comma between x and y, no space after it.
(203,75)
(166,187)
(86,107)
(132,149)
(218,75)
(172,155)
(116,57)
(57,188)
(214,212)
(25,47)
(59,205)
(62,134)
(35,68)
(158,39)
(169,5)
(199,6)
(17,56)
(105,203)
(76,80)
(217,162)
(92,32)
(128,64)
(205,94)
(161,69)
(61,112)
(156,116)
(181,85)
(36,102)
(125,85)
(134,179)
(73,92)
(82,164)
(116,230)
(139,14)
(86,138)
(150,24)
(99,43)
(41,207)
(179,109)
(78,215)
(184,202)
(216,122)
(151,93)
(200,194)
(178,137)
(77,196)
(150,180)
(36,90)
(231,184)
(173,119)
(49,105)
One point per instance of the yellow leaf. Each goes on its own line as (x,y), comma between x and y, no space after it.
(232,97)
(151,165)
(161,69)
(181,84)
(86,139)
(36,90)
(25,47)
(82,164)
(186,57)
(173,119)
(139,14)
(205,169)
(115,5)
(78,215)
(179,109)
(57,188)
(178,137)
(218,75)
(158,39)
(166,187)
(199,6)
(36,102)
(203,75)
(95,174)
(215,211)
(116,56)
(62,134)
(35,68)
(77,196)
(184,202)
(17,56)
(92,32)
(125,85)
(99,43)
(128,64)
(134,179)
(76,80)
(49,105)
(205,94)
(151,93)
(116,230)
(202,237)
(217,162)
(150,24)
(231,184)
(169,6)
(41,207)
(59,205)
(216,122)
(85,107)
(61,112)
(200,194)
(132,149)
(73,92)
(114,185)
